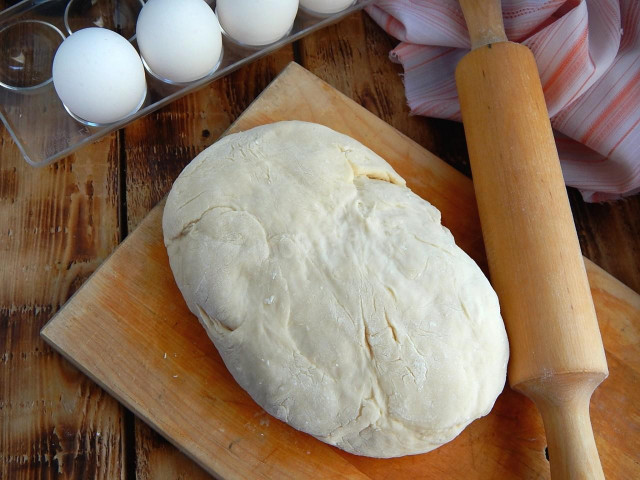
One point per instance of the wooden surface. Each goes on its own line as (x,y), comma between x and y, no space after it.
(536,267)
(50,414)
(130,330)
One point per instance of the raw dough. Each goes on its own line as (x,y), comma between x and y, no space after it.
(332,292)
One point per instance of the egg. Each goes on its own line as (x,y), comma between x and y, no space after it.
(99,76)
(326,6)
(256,22)
(179,40)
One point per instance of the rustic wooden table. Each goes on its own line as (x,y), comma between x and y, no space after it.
(58,223)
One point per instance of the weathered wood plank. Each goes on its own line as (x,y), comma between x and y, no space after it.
(157,148)
(157,459)
(609,235)
(57,224)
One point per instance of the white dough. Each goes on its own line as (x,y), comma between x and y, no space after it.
(332,292)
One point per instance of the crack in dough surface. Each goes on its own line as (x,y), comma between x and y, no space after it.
(334,295)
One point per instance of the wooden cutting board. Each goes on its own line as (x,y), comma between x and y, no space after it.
(129,329)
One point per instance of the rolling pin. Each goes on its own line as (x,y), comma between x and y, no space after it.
(557,357)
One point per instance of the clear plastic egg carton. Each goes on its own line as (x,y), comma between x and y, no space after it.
(32,30)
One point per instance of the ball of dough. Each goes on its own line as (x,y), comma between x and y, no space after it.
(332,292)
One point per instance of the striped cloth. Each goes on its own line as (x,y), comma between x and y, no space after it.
(588,55)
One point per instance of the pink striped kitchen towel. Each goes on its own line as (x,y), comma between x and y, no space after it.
(588,55)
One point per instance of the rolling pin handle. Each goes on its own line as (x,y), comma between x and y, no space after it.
(572,450)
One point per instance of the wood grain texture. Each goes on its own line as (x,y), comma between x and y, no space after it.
(223,429)
(609,235)
(157,459)
(58,224)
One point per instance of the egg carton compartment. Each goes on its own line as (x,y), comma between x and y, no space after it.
(32,30)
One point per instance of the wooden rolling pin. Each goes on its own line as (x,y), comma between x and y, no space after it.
(557,357)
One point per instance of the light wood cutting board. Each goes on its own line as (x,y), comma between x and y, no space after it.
(129,329)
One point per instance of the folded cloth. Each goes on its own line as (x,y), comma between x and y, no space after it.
(588,55)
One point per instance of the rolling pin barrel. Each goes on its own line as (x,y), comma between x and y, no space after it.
(557,357)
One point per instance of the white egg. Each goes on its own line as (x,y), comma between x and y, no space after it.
(256,22)
(99,76)
(326,6)
(179,40)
